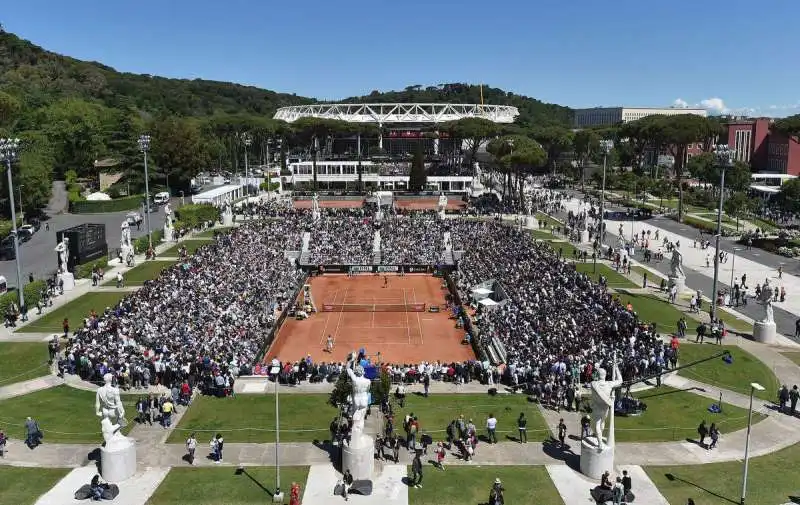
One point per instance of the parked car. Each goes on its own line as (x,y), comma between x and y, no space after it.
(29,228)
(7,249)
(24,234)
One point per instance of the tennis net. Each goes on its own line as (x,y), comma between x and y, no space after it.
(373,307)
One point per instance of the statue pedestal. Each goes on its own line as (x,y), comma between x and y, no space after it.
(124,252)
(593,461)
(118,463)
(69,281)
(584,236)
(227,219)
(764,332)
(530,222)
(359,457)
(441,214)
(680,282)
(168,234)
(315,215)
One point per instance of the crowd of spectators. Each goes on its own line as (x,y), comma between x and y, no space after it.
(342,241)
(203,318)
(412,240)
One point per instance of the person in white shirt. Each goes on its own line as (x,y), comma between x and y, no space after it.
(491,426)
(191,446)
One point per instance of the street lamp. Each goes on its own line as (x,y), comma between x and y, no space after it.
(9,152)
(724,158)
(246,140)
(278,496)
(605,146)
(182,195)
(754,386)
(144,146)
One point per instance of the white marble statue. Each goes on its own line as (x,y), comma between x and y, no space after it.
(315,206)
(359,396)
(63,254)
(676,265)
(442,201)
(108,406)
(603,402)
(125,237)
(766,300)
(167,216)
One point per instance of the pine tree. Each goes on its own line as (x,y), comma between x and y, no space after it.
(341,390)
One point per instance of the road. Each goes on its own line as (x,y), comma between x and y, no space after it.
(38,255)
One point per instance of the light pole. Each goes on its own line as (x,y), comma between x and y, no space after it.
(278,496)
(246,140)
(754,386)
(9,151)
(182,195)
(144,146)
(605,146)
(724,158)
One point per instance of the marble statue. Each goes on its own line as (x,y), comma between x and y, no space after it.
(360,394)
(108,406)
(378,199)
(63,254)
(603,402)
(676,264)
(766,300)
(125,237)
(167,216)
(442,201)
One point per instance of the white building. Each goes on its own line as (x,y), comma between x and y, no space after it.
(608,116)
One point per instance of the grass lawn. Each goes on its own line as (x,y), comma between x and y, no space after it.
(651,308)
(734,323)
(652,278)
(769,480)
(567,249)
(191,247)
(461,485)
(673,415)
(794,356)
(221,485)
(210,233)
(22,361)
(65,414)
(551,221)
(615,279)
(23,486)
(542,235)
(75,311)
(307,417)
(736,376)
(146,271)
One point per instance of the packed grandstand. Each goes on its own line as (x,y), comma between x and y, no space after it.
(213,313)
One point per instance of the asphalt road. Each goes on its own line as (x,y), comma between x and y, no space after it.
(38,255)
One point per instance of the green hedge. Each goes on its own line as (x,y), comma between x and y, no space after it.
(85,271)
(141,243)
(33,293)
(101,206)
(708,226)
(194,215)
(5,227)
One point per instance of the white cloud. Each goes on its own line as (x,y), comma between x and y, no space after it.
(715,105)
(680,103)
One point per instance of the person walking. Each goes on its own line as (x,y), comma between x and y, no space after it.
(783,398)
(713,431)
(496,496)
(440,455)
(191,446)
(794,395)
(627,485)
(491,427)
(702,430)
(416,470)
(426,383)
(33,433)
(562,432)
(3,442)
(617,492)
(347,482)
(219,445)
(522,427)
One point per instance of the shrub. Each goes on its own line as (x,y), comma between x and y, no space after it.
(141,243)
(194,215)
(274,186)
(708,226)
(101,206)
(5,227)
(33,293)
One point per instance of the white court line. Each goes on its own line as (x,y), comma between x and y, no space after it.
(339,321)
(419,321)
(322,337)
(408,321)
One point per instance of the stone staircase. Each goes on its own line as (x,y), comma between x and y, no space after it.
(304,257)
(376,257)
(306,241)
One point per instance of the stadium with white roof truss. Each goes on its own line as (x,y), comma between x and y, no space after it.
(401,130)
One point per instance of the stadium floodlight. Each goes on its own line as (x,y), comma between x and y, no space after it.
(144,147)
(9,152)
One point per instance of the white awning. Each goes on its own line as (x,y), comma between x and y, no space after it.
(487,302)
(482,291)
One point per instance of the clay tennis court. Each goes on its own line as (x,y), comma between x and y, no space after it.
(429,204)
(399,336)
(330,204)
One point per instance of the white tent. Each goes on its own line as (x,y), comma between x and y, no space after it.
(487,302)
(97,197)
(482,291)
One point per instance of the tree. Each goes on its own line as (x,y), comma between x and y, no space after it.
(473,131)
(9,110)
(586,142)
(74,128)
(738,205)
(554,140)
(381,388)
(789,196)
(789,126)
(311,130)
(515,155)
(178,150)
(417,177)
(341,390)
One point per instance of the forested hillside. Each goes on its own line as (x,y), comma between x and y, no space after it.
(70,113)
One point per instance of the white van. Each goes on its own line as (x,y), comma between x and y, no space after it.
(161,198)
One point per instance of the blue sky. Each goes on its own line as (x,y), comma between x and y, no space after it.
(735,55)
